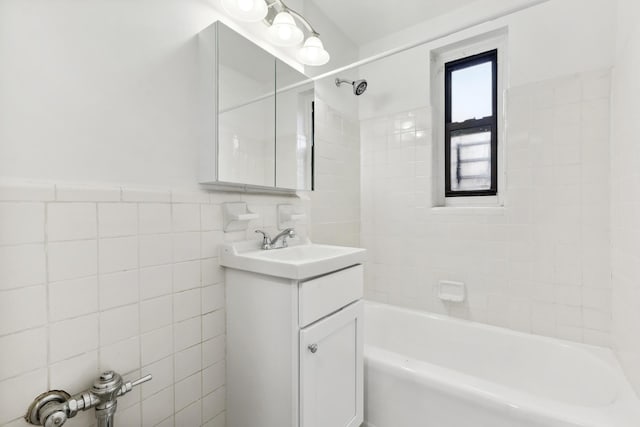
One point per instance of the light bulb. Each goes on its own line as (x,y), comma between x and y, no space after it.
(245,5)
(246,10)
(284,31)
(313,52)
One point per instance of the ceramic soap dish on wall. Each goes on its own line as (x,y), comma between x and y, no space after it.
(289,216)
(236,216)
(449,291)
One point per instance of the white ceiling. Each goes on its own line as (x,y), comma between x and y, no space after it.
(366,20)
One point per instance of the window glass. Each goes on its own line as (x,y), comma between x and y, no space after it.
(470,167)
(471,92)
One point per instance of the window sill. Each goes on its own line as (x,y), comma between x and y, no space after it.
(468,210)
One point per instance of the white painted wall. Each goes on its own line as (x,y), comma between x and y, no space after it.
(625,199)
(541,263)
(90,89)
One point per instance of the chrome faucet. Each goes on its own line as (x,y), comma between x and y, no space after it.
(269,243)
(55,407)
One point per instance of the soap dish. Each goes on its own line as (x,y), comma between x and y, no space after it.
(451,291)
(236,216)
(288,217)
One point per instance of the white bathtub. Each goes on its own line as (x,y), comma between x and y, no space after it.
(424,370)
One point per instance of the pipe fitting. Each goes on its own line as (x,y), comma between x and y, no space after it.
(55,407)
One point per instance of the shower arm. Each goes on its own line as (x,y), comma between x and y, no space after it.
(342,81)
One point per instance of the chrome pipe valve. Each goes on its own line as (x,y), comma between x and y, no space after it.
(55,407)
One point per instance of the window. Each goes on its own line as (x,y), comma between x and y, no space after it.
(471,126)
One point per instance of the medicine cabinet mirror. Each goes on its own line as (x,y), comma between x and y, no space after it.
(258,113)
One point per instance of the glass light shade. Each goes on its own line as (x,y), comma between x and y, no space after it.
(246,10)
(284,31)
(313,53)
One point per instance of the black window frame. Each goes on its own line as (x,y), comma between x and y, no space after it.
(489,122)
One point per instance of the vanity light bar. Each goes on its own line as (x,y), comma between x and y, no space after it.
(283,30)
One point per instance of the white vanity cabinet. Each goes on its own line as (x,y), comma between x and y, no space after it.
(294,349)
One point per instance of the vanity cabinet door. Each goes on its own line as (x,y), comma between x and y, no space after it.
(331,370)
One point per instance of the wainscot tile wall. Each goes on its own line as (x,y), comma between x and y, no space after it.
(539,264)
(117,278)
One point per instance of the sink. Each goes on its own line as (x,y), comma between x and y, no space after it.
(298,261)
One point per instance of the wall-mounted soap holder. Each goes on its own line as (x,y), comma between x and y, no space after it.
(236,216)
(289,216)
(451,291)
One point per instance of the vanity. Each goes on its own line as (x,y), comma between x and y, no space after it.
(294,335)
(294,315)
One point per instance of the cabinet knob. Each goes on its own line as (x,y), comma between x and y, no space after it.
(313,348)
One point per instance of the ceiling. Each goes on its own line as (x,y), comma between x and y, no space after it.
(366,20)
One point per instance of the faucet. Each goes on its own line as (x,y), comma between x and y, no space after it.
(269,243)
(53,408)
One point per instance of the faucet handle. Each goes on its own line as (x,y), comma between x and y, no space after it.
(265,235)
(266,239)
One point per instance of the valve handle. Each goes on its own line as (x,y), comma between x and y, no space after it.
(129,385)
(144,379)
(53,408)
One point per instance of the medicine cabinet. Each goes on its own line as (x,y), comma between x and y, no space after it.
(258,116)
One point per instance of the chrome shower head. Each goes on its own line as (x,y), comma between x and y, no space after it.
(359,86)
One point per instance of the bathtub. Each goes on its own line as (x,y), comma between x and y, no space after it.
(425,370)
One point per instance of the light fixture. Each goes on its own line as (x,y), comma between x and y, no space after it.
(283,28)
(284,31)
(246,10)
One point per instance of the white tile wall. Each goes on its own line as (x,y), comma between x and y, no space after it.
(335,203)
(22,265)
(116,278)
(117,219)
(73,298)
(539,264)
(70,260)
(21,223)
(625,200)
(71,221)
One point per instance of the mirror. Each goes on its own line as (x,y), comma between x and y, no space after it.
(262,114)
(294,128)
(246,111)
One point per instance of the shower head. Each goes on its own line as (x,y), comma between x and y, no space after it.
(359,86)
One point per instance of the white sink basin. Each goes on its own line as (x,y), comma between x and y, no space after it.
(295,262)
